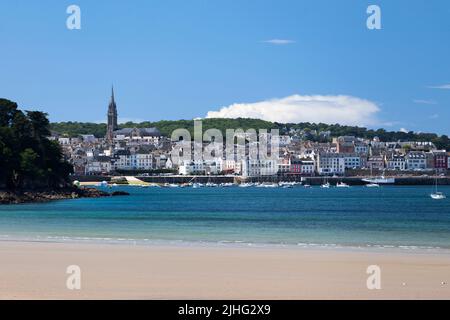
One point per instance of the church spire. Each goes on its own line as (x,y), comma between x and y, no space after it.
(112,118)
(112,94)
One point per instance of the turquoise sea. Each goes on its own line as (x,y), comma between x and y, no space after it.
(386,217)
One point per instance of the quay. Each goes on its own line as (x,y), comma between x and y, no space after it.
(313,181)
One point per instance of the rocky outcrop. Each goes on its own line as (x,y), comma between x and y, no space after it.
(26,196)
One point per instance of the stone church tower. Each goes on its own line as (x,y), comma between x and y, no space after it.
(112,118)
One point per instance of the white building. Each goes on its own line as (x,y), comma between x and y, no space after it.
(64,141)
(137,136)
(99,165)
(396,162)
(361,148)
(225,165)
(330,163)
(138,161)
(416,160)
(198,167)
(259,167)
(352,161)
(307,167)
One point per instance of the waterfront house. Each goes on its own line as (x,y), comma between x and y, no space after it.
(376,162)
(416,160)
(440,160)
(259,167)
(352,161)
(125,160)
(307,167)
(284,165)
(396,162)
(330,163)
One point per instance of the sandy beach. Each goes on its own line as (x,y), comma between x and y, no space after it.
(38,271)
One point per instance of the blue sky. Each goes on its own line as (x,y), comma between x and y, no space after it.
(183,59)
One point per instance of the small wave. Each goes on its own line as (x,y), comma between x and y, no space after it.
(204,243)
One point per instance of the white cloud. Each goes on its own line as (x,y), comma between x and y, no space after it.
(340,109)
(444,86)
(419,101)
(404,130)
(279,41)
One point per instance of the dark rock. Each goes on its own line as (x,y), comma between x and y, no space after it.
(120,193)
(15,197)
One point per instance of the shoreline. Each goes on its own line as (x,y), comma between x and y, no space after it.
(152,243)
(38,271)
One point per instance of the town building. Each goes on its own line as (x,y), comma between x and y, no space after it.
(259,167)
(361,148)
(330,163)
(307,167)
(396,162)
(345,144)
(198,167)
(137,136)
(416,160)
(352,161)
(284,166)
(125,160)
(375,162)
(98,165)
(440,160)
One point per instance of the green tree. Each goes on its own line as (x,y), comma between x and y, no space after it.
(27,157)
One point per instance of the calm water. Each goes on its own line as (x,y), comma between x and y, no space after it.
(403,217)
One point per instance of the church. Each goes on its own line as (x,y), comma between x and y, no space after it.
(128,135)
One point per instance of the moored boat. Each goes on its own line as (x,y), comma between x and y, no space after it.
(342,185)
(372,185)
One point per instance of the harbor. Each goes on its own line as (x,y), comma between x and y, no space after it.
(238,180)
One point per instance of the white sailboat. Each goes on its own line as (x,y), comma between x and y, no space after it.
(436,195)
(326,184)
